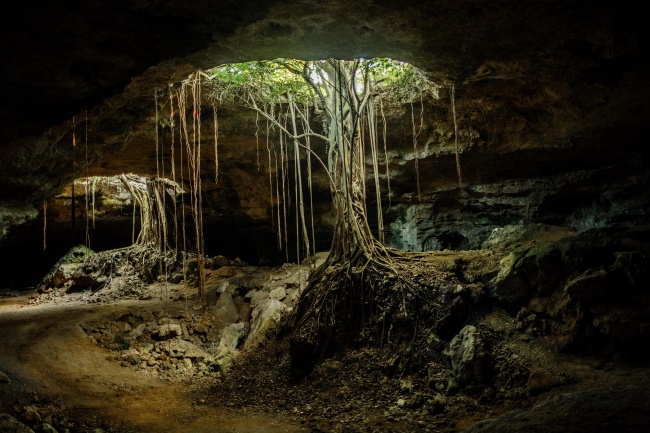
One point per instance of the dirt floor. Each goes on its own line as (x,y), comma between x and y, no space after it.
(59,377)
(158,361)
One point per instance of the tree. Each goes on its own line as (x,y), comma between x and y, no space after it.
(156,197)
(338,103)
(348,97)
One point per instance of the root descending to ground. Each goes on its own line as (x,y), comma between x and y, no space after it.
(395,302)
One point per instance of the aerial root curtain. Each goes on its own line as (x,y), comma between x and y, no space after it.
(331,108)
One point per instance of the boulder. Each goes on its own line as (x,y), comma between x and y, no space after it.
(219,262)
(138,330)
(471,359)
(225,312)
(264,319)
(169,330)
(227,351)
(231,336)
(177,348)
(64,274)
(278,293)
(509,285)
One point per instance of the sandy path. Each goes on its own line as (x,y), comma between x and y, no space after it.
(43,348)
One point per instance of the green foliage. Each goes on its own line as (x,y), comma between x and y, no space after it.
(268,82)
(274,81)
(400,82)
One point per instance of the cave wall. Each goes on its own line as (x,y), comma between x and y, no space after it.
(551,102)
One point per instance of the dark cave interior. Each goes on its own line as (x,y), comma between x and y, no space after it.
(537,266)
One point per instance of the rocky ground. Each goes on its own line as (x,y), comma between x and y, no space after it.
(543,329)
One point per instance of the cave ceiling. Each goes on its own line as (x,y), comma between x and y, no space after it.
(542,87)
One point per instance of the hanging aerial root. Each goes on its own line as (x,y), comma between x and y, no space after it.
(459,171)
(44,225)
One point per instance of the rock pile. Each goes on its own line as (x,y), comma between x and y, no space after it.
(243,304)
(585,291)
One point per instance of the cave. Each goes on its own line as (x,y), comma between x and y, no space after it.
(511,209)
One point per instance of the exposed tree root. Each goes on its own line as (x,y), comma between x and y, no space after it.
(138,265)
(396,302)
(139,260)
